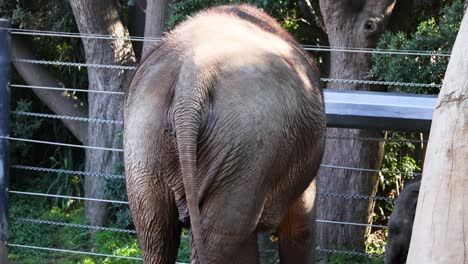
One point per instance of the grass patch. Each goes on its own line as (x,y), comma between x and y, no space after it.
(66,237)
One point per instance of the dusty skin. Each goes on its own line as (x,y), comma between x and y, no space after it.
(224,131)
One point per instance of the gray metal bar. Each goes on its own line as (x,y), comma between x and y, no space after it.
(379,110)
(5,72)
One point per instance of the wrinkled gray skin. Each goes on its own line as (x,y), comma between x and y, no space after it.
(400,225)
(224,130)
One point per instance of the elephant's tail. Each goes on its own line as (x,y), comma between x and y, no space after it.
(187,124)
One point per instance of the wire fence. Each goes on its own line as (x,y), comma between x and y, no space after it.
(31,32)
(120,123)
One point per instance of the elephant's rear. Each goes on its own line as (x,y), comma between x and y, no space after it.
(235,109)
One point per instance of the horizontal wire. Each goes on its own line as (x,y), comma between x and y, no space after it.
(68,197)
(63,89)
(17,31)
(355,196)
(101,228)
(122,122)
(378,51)
(120,150)
(121,176)
(73,251)
(351,253)
(378,139)
(41,169)
(83,173)
(39,221)
(353,81)
(74,118)
(78,35)
(118,122)
(369,170)
(60,144)
(335,80)
(74,64)
(349,223)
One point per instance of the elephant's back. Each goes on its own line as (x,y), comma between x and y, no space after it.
(261,108)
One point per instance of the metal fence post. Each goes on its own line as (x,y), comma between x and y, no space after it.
(5,71)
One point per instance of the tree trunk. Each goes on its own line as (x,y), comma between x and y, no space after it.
(440,231)
(350,24)
(102,17)
(156,13)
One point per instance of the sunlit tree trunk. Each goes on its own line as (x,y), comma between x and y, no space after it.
(102,17)
(440,230)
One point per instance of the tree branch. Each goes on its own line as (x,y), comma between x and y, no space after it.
(156,13)
(61,103)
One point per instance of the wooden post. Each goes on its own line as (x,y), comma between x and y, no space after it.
(440,231)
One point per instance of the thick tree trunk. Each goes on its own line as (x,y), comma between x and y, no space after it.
(349,24)
(156,13)
(440,230)
(102,17)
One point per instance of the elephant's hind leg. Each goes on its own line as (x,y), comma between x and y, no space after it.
(229,229)
(155,217)
(296,231)
(229,249)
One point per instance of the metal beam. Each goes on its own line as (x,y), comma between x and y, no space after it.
(379,110)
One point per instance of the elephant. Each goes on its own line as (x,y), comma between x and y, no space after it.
(400,225)
(224,132)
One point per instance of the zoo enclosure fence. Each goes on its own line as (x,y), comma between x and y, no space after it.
(5,65)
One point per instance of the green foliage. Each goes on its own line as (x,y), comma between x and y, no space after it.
(340,259)
(117,190)
(43,235)
(65,237)
(64,183)
(437,34)
(22,127)
(399,156)
(184,248)
(54,14)
(120,244)
(375,242)
(431,36)
(286,11)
